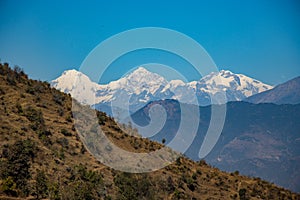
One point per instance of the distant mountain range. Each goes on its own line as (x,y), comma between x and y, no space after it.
(260,140)
(286,93)
(141,86)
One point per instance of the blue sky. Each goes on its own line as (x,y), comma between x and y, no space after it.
(257,38)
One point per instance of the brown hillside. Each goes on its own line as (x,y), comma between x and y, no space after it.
(42,156)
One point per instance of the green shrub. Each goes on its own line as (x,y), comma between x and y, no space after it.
(35,89)
(9,187)
(242,194)
(63,142)
(133,186)
(18,70)
(101,118)
(61,112)
(58,98)
(41,185)
(178,161)
(38,124)
(194,176)
(30,90)
(177,194)
(17,161)
(82,149)
(236,172)
(34,115)
(202,162)
(19,108)
(69,118)
(54,191)
(170,184)
(11,80)
(65,132)
(84,184)
(2,92)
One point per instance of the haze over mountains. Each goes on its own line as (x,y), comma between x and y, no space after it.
(141,86)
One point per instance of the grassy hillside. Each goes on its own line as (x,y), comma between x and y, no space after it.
(42,156)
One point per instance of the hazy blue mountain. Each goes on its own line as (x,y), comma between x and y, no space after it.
(285,93)
(260,140)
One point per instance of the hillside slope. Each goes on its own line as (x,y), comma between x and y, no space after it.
(42,156)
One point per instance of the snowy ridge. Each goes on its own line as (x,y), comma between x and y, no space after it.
(134,83)
(236,86)
(78,85)
(142,86)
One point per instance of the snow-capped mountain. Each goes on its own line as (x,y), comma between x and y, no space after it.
(134,90)
(142,86)
(236,86)
(78,85)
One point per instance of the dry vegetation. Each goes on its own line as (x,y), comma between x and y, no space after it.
(42,157)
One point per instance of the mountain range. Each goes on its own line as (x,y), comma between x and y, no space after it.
(136,89)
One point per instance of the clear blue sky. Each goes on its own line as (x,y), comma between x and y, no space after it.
(258,38)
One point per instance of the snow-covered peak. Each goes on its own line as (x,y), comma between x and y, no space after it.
(238,86)
(142,75)
(67,79)
(72,72)
(221,78)
(225,72)
(77,84)
(140,71)
(176,83)
(138,81)
(221,73)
